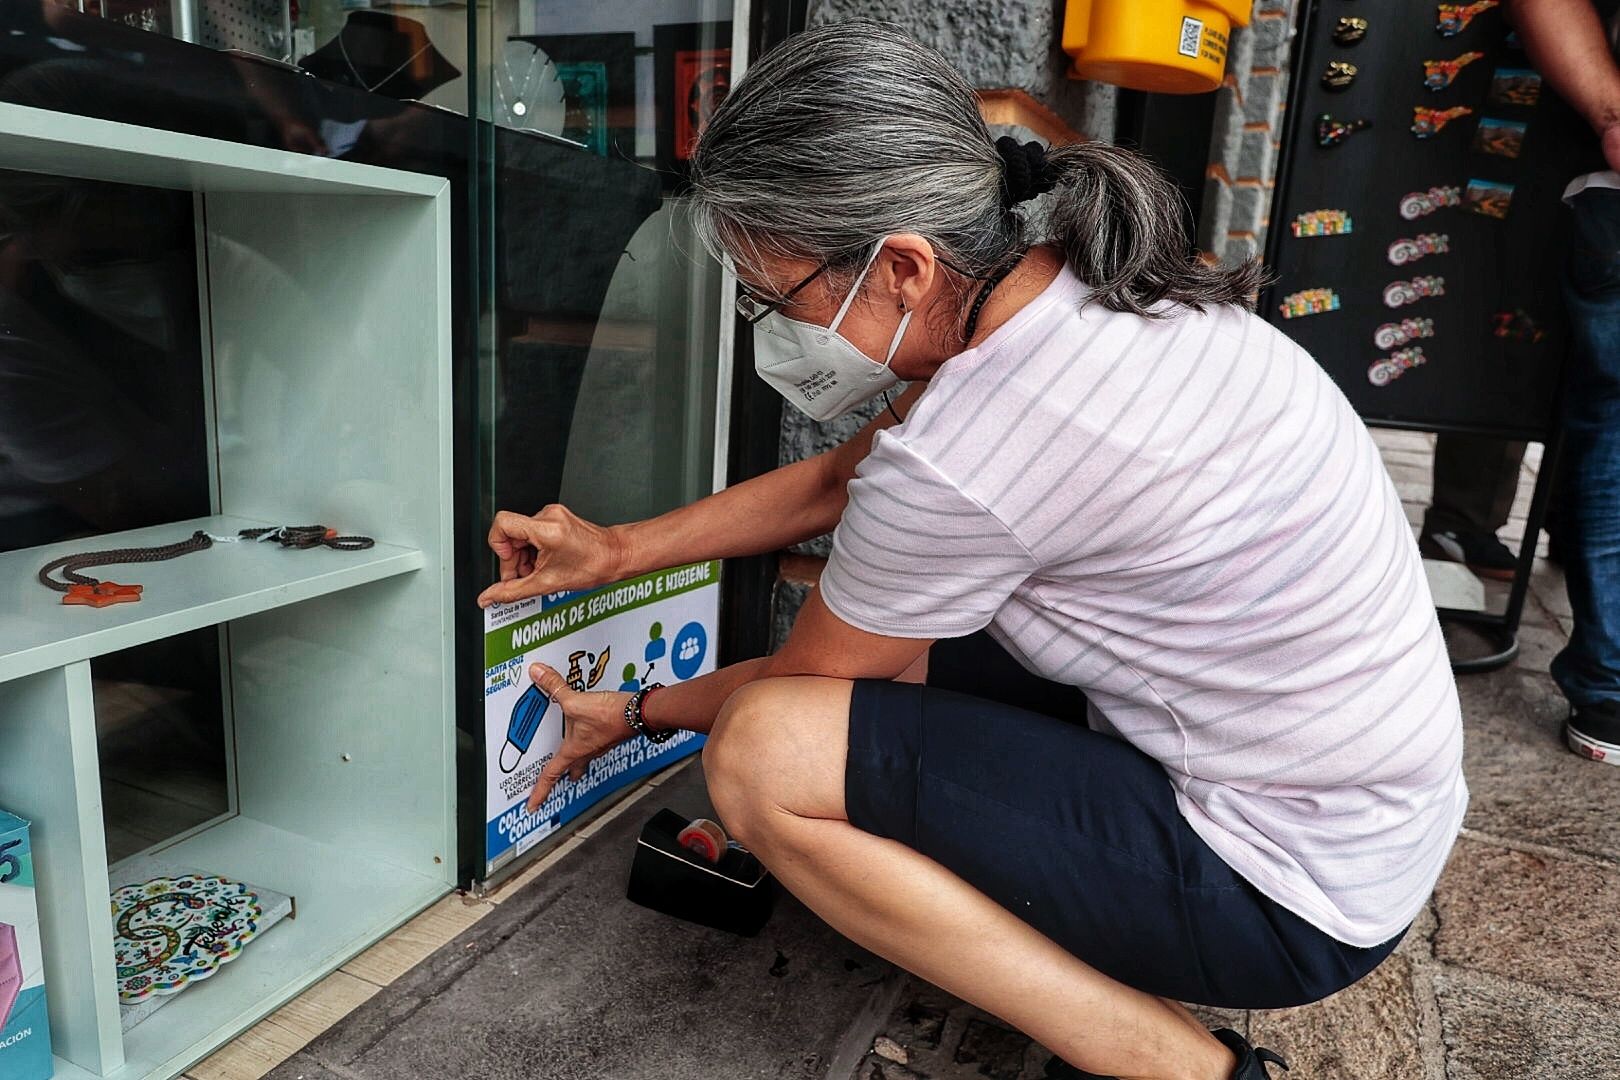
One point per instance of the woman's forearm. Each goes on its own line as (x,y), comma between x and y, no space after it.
(767,513)
(783,507)
(693,704)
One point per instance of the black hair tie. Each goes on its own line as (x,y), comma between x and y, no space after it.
(1025,172)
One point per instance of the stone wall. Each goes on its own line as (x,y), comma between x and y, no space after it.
(1247,133)
(996,44)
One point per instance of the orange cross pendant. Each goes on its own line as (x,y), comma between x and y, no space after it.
(108,592)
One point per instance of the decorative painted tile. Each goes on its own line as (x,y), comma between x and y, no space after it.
(172,931)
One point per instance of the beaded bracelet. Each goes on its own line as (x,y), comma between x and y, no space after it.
(638,724)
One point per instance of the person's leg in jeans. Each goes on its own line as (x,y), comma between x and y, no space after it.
(1588,670)
(1475,480)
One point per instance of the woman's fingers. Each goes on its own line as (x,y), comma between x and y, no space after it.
(549,680)
(508,533)
(553,772)
(504,592)
(523,545)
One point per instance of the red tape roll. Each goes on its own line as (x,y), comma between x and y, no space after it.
(704,838)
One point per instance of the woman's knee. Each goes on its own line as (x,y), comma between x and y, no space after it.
(737,753)
(778,745)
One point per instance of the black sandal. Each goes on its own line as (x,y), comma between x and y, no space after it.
(1251,1061)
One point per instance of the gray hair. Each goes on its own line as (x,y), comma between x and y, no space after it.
(850,132)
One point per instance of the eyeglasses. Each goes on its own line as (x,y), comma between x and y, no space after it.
(754,308)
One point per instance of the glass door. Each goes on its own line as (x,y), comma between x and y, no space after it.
(603,312)
(602,363)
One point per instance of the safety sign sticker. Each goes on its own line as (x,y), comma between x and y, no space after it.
(659,627)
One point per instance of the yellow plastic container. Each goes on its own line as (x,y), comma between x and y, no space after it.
(1167,46)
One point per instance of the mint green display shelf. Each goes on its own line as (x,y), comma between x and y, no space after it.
(226,581)
(325,295)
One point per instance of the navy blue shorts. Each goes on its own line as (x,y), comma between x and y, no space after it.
(1077,833)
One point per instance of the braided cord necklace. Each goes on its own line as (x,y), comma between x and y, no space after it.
(80,588)
(990,283)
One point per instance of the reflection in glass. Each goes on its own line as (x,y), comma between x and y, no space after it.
(101,430)
(605,311)
(382,53)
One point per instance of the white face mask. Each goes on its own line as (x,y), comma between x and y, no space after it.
(818,369)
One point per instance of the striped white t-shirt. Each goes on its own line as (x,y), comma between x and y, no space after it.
(1184,518)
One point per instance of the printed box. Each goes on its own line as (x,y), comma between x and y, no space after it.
(25,1033)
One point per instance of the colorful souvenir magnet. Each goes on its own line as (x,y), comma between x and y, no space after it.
(1391,334)
(1416,204)
(169,932)
(1514,86)
(1504,138)
(1404,251)
(1516,325)
(1488,197)
(1331,132)
(1427,122)
(1309,302)
(1452,19)
(1323,223)
(1351,29)
(1339,75)
(1401,293)
(1387,369)
(1438,74)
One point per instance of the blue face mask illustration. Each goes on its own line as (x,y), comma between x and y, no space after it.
(520,730)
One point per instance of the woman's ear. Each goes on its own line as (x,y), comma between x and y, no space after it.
(905,271)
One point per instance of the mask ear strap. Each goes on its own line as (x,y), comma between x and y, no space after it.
(899,332)
(855,289)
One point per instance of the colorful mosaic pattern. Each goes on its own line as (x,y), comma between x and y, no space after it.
(1427,122)
(1452,19)
(1416,204)
(172,931)
(1439,74)
(1411,249)
(1387,369)
(1323,223)
(1391,334)
(1401,293)
(1309,302)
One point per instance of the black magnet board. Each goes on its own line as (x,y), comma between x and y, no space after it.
(1473,380)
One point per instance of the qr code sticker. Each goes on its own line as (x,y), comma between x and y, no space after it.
(1192,36)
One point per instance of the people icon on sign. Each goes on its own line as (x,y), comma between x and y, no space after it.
(630,684)
(655,645)
(691,646)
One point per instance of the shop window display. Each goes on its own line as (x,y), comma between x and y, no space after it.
(585,331)
(101,430)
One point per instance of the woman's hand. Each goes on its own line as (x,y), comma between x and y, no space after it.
(593,723)
(553,551)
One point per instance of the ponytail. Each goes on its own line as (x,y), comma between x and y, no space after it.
(1118,220)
